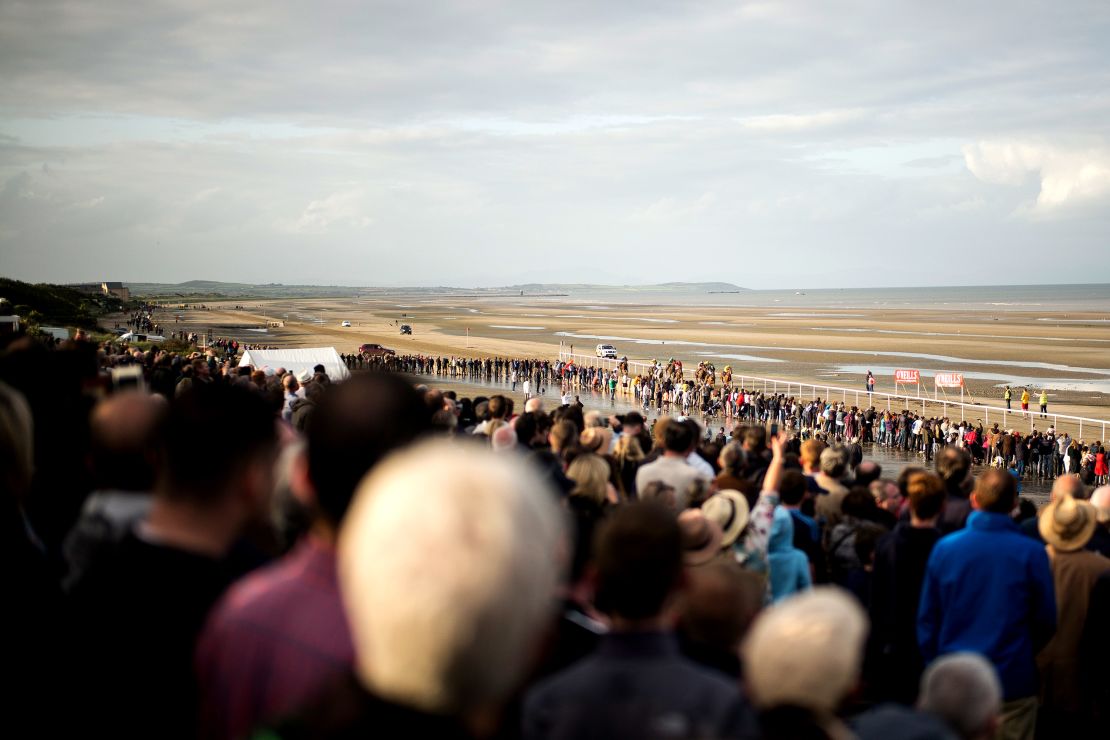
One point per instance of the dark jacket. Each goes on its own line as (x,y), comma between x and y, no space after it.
(900,560)
(637,685)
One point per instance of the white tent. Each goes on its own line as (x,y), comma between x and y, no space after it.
(297,361)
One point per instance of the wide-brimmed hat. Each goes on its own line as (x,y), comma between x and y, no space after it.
(1067,524)
(596,439)
(729,509)
(701,537)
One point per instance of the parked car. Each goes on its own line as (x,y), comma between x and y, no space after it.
(607,351)
(346,324)
(406,329)
(375,350)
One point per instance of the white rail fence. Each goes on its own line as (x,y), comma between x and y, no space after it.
(1006,418)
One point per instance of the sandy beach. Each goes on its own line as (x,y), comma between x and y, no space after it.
(1067,352)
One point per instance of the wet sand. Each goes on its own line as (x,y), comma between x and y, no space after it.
(1067,352)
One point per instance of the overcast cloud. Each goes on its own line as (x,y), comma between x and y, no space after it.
(770,144)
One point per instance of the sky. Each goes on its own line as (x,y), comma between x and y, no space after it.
(481,143)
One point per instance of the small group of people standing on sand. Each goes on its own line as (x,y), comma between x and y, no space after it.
(1008,395)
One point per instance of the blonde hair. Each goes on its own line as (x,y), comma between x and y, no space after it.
(590,474)
(806,651)
(628,448)
(448,563)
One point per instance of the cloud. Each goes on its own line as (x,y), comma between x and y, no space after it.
(802,121)
(341,209)
(1068,176)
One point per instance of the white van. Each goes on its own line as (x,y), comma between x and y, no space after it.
(607,351)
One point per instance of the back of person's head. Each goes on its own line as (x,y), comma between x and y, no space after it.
(638,556)
(755,439)
(811,453)
(123,440)
(996,491)
(16,447)
(926,495)
(628,448)
(867,472)
(659,492)
(904,478)
(806,651)
(590,474)
(573,414)
(731,458)
(1100,499)
(964,691)
(356,423)
(859,503)
(498,407)
(563,436)
(719,602)
(953,465)
(503,439)
(212,434)
(834,462)
(526,427)
(448,565)
(1068,485)
(792,487)
(677,437)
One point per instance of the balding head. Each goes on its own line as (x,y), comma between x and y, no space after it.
(124,431)
(1068,485)
(963,690)
(503,438)
(534,405)
(1100,499)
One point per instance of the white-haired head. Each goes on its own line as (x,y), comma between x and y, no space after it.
(963,690)
(448,567)
(806,651)
(533,405)
(1100,499)
(503,438)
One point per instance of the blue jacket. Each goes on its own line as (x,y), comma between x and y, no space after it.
(988,589)
(789,566)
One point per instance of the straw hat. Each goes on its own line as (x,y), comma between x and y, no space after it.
(596,439)
(729,509)
(1067,524)
(701,538)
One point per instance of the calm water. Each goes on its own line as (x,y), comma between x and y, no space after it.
(984,298)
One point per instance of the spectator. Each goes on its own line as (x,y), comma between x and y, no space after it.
(439,655)
(719,603)
(834,464)
(1100,540)
(1066,525)
(988,588)
(900,561)
(140,609)
(788,565)
(280,635)
(672,468)
(802,661)
(123,430)
(963,690)
(637,685)
(954,468)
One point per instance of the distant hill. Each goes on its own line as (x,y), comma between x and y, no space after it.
(216,289)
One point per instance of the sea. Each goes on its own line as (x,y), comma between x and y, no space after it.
(1090,297)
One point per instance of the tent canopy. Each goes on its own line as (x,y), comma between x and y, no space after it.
(297,361)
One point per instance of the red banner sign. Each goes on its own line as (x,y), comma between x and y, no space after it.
(909,377)
(949,380)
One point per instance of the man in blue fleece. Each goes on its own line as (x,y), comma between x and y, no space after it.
(988,589)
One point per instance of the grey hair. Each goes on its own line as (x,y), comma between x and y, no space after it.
(448,564)
(963,690)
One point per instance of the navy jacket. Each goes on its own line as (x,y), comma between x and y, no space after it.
(988,588)
(637,685)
